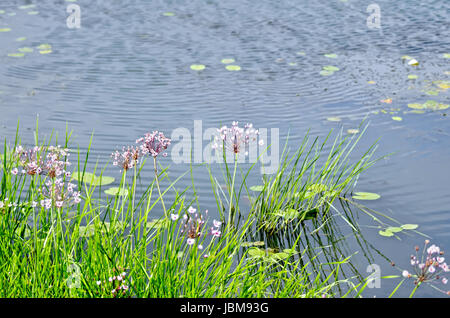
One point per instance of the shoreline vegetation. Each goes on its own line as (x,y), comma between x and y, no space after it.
(67,232)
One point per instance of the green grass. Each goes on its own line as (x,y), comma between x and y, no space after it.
(64,252)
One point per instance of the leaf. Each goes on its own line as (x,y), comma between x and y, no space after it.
(412,76)
(432,92)
(45,51)
(44,46)
(168,14)
(397,118)
(26,49)
(21,39)
(331,55)
(334,119)
(385,233)
(326,73)
(92,179)
(33,12)
(394,229)
(28,6)
(115,191)
(228,61)
(280,256)
(366,196)
(371,82)
(233,67)
(256,252)
(197,67)
(5,29)
(331,68)
(446,55)
(409,226)
(352,131)
(16,54)
(416,106)
(257,188)
(157,224)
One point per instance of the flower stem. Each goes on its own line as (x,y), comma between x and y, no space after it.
(232,191)
(157,185)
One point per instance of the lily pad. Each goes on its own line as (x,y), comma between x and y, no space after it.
(258,243)
(256,252)
(409,226)
(91,178)
(21,39)
(394,229)
(331,55)
(28,6)
(197,67)
(331,68)
(385,233)
(228,61)
(115,191)
(334,118)
(5,29)
(233,67)
(413,77)
(326,73)
(446,55)
(33,12)
(168,14)
(371,82)
(416,106)
(16,54)
(257,188)
(44,46)
(366,196)
(26,49)
(352,131)
(45,51)
(397,118)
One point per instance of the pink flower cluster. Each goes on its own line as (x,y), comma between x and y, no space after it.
(154,143)
(430,266)
(118,284)
(35,162)
(127,159)
(236,138)
(59,193)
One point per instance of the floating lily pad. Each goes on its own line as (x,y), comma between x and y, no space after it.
(45,51)
(397,118)
(26,49)
(256,252)
(331,68)
(248,244)
(433,105)
(371,82)
(416,106)
(2,11)
(326,73)
(21,39)
(16,54)
(44,46)
(5,29)
(115,191)
(352,131)
(406,57)
(412,76)
(334,118)
(197,67)
(432,92)
(394,229)
(366,196)
(301,53)
(28,6)
(257,188)
(233,67)
(409,226)
(446,55)
(228,61)
(385,233)
(417,112)
(331,55)
(33,12)
(168,14)
(91,178)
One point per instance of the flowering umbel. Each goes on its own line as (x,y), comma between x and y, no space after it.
(127,159)
(235,138)
(154,143)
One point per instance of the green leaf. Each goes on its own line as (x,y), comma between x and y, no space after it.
(256,252)
(409,226)
(394,229)
(385,233)
(233,67)
(416,106)
(197,67)
(5,29)
(115,191)
(365,196)
(257,188)
(26,49)
(91,178)
(168,14)
(228,61)
(326,73)
(16,54)
(412,76)
(397,118)
(334,118)
(331,55)
(331,68)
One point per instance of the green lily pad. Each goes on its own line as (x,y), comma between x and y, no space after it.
(16,54)
(256,252)
(386,233)
(446,55)
(91,178)
(45,51)
(228,61)
(257,188)
(416,106)
(5,29)
(331,68)
(397,118)
(417,112)
(412,76)
(409,226)
(352,131)
(233,67)
(331,56)
(2,11)
(115,191)
(197,67)
(301,53)
(33,12)
(21,39)
(248,244)
(432,92)
(394,229)
(334,118)
(168,14)
(366,196)
(280,256)
(26,49)
(326,73)
(28,6)
(44,46)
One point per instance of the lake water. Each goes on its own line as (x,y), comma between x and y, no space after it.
(127,71)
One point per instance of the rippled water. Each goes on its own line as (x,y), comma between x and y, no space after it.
(127,71)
